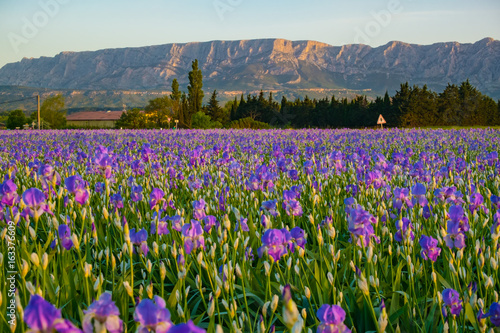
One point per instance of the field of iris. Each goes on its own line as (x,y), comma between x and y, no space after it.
(250,231)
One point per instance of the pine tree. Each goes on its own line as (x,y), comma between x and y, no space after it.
(213,108)
(176,94)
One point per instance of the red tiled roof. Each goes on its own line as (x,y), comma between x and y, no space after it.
(95,115)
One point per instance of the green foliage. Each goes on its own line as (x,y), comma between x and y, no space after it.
(176,94)
(52,112)
(195,92)
(132,119)
(213,109)
(16,119)
(249,123)
(158,111)
(202,121)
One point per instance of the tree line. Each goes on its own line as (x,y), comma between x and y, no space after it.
(410,106)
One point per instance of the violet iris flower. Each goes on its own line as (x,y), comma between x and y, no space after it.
(405,230)
(193,236)
(8,193)
(274,241)
(34,199)
(199,209)
(243,223)
(292,207)
(270,207)
(152,316)
(116,200)
(429,248)
(76,185)
(451,299)
(188,327)
(418,191)
(140,239)
(156,197)
(456,228)
(65,236)
(104,163)
(136,194)
(332,319)
(162,228)
(210,221)
(361,226)
(477,202)
(43,317)
(105,312)
(494,314)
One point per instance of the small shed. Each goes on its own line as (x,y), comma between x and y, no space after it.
(96,119)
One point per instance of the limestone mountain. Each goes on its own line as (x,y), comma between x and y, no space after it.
(268,64)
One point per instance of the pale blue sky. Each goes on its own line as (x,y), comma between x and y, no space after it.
(34,28)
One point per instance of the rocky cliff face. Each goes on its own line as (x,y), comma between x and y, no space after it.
(269,64)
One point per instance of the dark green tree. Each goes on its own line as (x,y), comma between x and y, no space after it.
(213,109)
(158,110)
(132,119)
(195,92)
(176,94)
(16,119)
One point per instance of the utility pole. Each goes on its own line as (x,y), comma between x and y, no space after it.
(38,100)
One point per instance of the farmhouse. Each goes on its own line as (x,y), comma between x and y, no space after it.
(95,119)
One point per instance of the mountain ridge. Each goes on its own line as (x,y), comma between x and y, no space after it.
(268,64)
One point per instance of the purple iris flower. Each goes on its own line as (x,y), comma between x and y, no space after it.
(308,167)
(401,196)
(361,225)
(156,197)
(418,191)
(477,202)
(188,327)
(65,236)
(34,199)
(77,186)
(105,312)
(456,228)
(153,316)
(292,207)
(375,178)
(290,195)
(140,239)
(429,248)
(451,299)
(104,162)
(270,207)
(209,221)
(8,193)
(99,187)
(332,319)
(43,317)
(495,201)
(162,228)
(297,235)
(199,209)
(243,223)
(176,222)
(405,230)
(48,175)
(136,194)
(193,236)
(274,242)
(116,201)
(293,174)
(253,183)
(494,314)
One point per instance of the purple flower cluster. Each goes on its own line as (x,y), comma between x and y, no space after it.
(361,226)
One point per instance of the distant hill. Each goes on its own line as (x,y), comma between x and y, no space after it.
(292,68)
